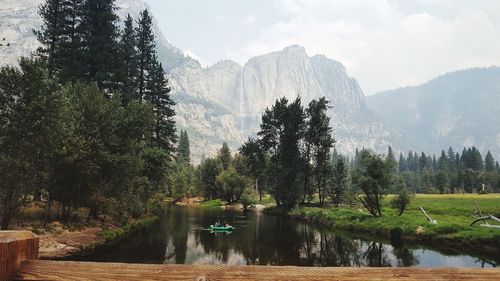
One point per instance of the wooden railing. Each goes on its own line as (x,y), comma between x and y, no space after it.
(16,247)
(19,251)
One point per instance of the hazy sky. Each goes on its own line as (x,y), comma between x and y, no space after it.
(383,43)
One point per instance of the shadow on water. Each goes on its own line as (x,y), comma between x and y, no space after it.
(181,237)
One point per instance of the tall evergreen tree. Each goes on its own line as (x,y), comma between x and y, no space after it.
(403,166)
(451,159)
(70,54)
(99,39)
(49,33)
(224,156)
(391,158)
(423,162)
(60,36)
(443,162)
(476,160)
(338,184)
(410,162)
(128,53)
(145,41)
(489,162)
(157,95)
(183,151)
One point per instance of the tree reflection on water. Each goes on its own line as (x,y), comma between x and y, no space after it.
(181,237)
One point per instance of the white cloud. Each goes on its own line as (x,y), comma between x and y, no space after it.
(384,43)
(248,20)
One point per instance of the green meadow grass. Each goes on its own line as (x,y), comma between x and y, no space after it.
(452,212)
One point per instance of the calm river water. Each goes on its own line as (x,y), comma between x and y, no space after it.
(181,236)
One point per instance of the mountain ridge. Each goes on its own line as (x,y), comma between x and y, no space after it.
(456,109)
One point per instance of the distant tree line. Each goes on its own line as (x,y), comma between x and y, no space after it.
(87,121)
(450,172)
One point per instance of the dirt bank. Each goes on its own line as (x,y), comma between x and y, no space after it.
(66,243)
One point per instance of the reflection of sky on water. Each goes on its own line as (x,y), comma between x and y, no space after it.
(429,258)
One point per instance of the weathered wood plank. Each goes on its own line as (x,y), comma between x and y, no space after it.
(16,247)
(51,270)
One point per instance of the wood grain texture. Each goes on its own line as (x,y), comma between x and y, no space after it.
(51,270)
(16,247)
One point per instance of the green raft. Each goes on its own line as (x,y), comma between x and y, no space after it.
(221,228)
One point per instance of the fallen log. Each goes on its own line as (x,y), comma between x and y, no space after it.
(485,218)
(431,221)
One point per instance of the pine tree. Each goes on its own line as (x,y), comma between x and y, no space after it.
(476,160)
(60,36)
(183,151)
(128,54)
(390,157)
(443,163)
(157,95)
(423,162)
(451,159)
(70,55)
(338,182)
(145,41)
(409,161)
(99,40)
(489,162)
(49,33)
(416,162)
(224,156)
(403,166)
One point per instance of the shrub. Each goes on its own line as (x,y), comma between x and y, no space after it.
(247,199)
(213,203)
(401,200)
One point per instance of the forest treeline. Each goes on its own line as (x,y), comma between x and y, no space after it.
(87,120)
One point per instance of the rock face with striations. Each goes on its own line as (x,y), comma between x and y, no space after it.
(225,102)
(239,95)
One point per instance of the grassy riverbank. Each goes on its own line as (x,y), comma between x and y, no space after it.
(116,233)
(452,212)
